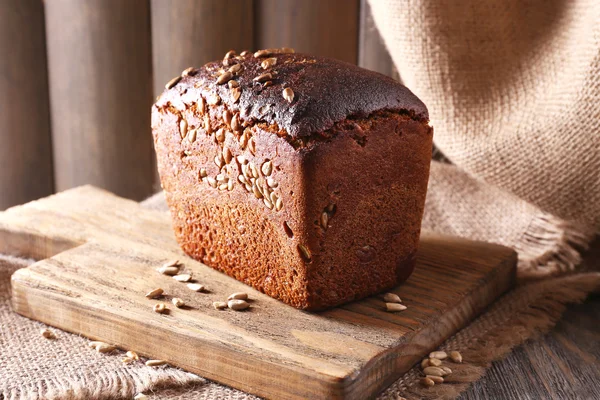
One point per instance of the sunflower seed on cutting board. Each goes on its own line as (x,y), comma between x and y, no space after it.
(238,305)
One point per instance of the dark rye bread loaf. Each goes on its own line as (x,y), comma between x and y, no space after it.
(304,177)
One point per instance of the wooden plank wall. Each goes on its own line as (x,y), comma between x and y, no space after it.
(80,77)
(99,64)
(25,155)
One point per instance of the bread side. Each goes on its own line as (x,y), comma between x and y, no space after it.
(365,204)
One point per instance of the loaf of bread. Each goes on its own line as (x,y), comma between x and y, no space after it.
(304,177)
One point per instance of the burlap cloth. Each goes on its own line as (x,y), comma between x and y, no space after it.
(513,90)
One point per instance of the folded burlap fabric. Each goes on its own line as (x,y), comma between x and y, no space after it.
(513,91)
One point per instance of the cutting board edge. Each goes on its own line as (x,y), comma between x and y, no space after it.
(506,271)
(332,386)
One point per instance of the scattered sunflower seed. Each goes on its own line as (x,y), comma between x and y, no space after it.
(440,355)
(425,363)
(95,344)
(244,53)
(271,183)
(227,115)
(203,173)
(229,54)
(243,140)
(456,356)
(206,124)
(279,204)
(160,308)
(238,296)
(267,168)
(237,305)
(47,333)
(427,382)
(188,71)
(288,95)
(236,125)
(436,379)
(105,348)
(155,363)
(220,135)
(263,53)
(434,371)
(172,263)
(325,222)
(447,371)
(254,170)
(211,181)
(177,302)
(227,156)
(268,63)
(133,355)
(172,270)
(220,305)
(182,277)
(394,307)
(153,294)
(256,192)
(236,92)
(263,77)
(235,68)
(233,84)
(434,362)
(224,78)
(391,298)
(172,82)
(192,135)
(305,252)
(196,287)
(140,396)
(219,160)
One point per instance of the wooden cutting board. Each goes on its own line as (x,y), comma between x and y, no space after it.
(99,255)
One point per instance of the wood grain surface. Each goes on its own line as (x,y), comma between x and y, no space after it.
(188,33)
(25,149)
(563,364)
(321,27)
(104,251)
(372,53)
(99,60)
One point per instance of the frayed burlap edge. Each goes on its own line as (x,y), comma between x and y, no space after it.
(520,315)
(551,246)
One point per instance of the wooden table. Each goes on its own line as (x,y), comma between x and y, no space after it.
(563,364)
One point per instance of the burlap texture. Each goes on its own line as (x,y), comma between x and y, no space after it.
(513,90)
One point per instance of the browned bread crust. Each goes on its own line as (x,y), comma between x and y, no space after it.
(314,197)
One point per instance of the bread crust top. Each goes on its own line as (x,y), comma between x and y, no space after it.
(322,91)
